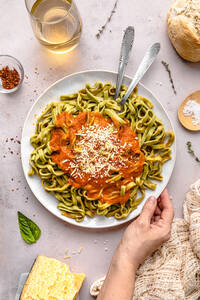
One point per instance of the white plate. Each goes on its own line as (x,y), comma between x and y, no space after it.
(70,84)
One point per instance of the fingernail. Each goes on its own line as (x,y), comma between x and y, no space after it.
(152,200)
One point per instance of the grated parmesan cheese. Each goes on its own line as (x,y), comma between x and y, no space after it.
(192,108)
(98,151)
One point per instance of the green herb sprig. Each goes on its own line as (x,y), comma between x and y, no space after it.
(170,75)
(101,30)
(30,232)
(191,151)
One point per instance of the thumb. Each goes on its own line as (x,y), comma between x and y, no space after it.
(148,210)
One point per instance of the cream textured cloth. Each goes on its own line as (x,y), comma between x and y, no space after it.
(173,271)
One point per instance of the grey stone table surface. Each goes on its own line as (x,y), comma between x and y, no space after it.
(16,38)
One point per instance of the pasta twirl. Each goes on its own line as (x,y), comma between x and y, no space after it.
(96,158)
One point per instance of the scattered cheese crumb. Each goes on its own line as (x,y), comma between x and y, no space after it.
(80,250)
(68,256)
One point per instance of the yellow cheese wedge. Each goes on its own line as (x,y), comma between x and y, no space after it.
(51,279)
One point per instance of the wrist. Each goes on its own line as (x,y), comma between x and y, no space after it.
(123,259)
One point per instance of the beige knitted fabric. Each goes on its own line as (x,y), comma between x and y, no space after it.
(173,271)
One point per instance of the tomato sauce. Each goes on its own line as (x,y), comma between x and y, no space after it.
(91,148)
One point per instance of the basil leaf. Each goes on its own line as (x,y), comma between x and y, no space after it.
(30,232)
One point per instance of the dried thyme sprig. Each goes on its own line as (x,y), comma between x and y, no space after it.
(191,151)
(100,31)
(170,75)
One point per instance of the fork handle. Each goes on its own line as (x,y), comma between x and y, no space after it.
(143,67)
(126,47)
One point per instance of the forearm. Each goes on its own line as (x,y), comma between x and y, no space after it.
(120,279)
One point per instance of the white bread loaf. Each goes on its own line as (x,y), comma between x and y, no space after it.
(183,21)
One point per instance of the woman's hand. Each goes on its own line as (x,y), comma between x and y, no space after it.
(141,238)
(149,231)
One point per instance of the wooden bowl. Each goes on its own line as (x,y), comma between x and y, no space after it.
(186,121)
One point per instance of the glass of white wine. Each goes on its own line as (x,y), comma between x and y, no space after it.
(56,23)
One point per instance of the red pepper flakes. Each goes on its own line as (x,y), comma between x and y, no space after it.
(10,78)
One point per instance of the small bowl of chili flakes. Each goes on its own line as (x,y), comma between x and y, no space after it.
(11,74)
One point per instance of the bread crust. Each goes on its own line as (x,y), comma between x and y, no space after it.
(183,36)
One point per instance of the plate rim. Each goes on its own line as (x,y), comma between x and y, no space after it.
(64,218)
